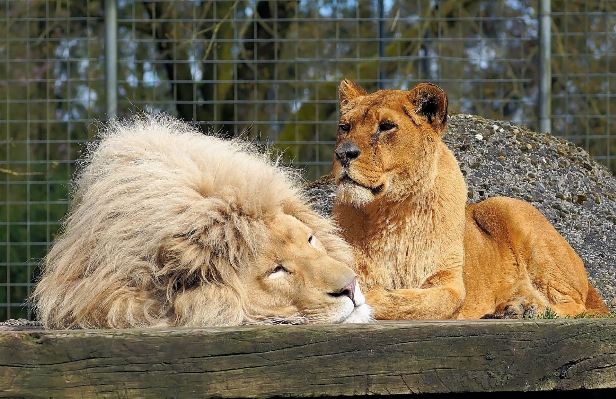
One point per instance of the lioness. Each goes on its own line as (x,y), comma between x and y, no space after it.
(169,227)
(421,251)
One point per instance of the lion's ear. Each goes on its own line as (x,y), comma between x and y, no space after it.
(429,101)
(348,91)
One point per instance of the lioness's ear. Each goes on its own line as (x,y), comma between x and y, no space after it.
(348,91)
(429,101)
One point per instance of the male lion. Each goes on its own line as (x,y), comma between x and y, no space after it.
(421,251)
(170,227)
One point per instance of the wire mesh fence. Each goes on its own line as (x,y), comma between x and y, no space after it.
(270,70)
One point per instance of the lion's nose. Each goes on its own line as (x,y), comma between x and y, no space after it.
(347,290)
(346,152)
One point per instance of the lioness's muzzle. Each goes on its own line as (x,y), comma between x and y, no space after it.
(347,152)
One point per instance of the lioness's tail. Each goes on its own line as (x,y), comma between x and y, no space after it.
(594,304)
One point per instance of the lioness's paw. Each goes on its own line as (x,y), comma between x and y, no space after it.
(517,308)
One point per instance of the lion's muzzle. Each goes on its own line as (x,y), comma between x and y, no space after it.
(347,290)
(362,312)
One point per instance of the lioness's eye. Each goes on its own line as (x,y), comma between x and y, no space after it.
(345,127)
(387,125)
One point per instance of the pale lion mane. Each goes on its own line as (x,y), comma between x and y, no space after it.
(132,243)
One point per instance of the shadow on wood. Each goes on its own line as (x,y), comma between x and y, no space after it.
(385,358)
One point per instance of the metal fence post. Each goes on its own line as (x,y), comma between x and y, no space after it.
(545,67)
(111,57)
(381,34)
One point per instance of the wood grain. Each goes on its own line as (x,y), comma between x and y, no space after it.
(381,358)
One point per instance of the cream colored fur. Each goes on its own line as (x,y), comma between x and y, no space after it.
(170,227)
(422,252)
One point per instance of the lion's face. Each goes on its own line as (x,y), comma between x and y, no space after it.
(385,141)
(295,281)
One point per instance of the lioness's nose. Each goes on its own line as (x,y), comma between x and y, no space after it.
(347,290)
(346,152)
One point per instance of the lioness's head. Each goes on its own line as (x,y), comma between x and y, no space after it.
(386,141)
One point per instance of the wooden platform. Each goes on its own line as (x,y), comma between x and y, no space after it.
(384,358)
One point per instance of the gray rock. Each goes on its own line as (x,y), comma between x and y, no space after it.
(20,325)
(574,192)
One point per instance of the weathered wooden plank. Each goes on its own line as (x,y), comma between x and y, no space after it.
(382,358)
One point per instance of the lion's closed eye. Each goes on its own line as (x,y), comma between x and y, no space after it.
(315,243)
(278,272)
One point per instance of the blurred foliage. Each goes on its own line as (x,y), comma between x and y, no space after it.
(270,70)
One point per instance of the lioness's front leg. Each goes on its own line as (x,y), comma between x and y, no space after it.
(441,299)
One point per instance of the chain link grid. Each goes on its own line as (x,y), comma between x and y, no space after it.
(269,70)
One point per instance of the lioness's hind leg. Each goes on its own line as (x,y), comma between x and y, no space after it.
(568,309)
(554,270)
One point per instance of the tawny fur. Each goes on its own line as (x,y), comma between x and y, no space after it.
(421,251)
(170,227)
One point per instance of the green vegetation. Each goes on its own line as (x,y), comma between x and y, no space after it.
(549,314)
